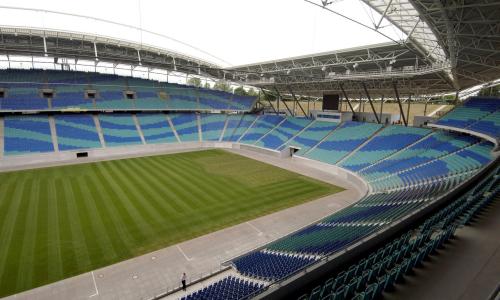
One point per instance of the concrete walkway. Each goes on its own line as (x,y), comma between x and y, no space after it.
(154,273)
(468,268)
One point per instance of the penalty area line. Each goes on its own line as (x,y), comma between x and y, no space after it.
(184,254)
(259,233)
(95,286)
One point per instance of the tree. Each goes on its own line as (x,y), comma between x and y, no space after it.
(490,91)
(194,81)
(252,92)
(222,85)
(240,91)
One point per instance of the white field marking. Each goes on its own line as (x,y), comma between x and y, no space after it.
(259,233)
(184,254)
(437,109)
(95,286)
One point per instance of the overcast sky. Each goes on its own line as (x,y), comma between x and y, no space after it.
(236,31)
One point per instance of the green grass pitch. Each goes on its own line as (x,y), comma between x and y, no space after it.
(62,221)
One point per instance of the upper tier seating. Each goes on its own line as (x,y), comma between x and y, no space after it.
(156,128)
(386,142)
(27,134)
(283,132)
(22,93)
(119,130)
(181,97)
(236,126)
(76,132)
(228,288)
(345,138)
(212,126)
(23,97)
(211,99)
(241,102)
(113,98)
(312,135)
(71,96)
(474,109)
(147,98)
(186,126)
(260,127)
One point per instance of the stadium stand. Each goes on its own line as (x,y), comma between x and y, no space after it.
(76,131)
(148,99)
(180,97)
(382,268)
(266,265)
(472,110)
(186,126)
(241,102)
(156,129)
(386,142)
(71,97)
(23,97)
(489,125)
(212,126)
(27,134)
(311,136)
(263,125)
(283,132)
(119,130)
(210,99)
(113,98)
(407,169)
(229,288)
(236,126)
(434,146)
(347,137)
(22,92)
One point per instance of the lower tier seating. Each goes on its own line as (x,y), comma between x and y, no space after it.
(186,126)
(229,288)
(212,126)
(263,125)
(346,137)
(271,266)
(156,128)
(379,270)
(76,131)
(119,130)
(27,134)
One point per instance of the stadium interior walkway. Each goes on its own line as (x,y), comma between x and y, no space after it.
(467,268)
(157,272)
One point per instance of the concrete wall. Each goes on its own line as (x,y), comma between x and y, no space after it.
(18,162)
(357,182)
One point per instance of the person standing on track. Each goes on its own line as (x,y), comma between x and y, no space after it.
(183,281)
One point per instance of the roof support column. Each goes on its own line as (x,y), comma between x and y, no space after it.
(399,103)
(286,105)
(346,98)
(270,103)
(408,111)
(297,102)
(371,103)
(381,106)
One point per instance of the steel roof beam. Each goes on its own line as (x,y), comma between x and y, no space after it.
(371,103)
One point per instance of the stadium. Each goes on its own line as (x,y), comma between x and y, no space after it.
(134,165)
